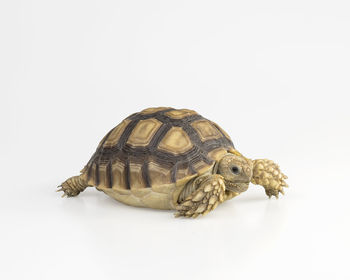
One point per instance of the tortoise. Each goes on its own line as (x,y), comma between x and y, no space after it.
(166,158)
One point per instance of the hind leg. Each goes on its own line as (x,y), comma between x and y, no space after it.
(207,197)
(73,186)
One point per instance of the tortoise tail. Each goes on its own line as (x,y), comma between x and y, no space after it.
(73,186)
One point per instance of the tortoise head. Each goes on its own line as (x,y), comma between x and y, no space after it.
(236,170)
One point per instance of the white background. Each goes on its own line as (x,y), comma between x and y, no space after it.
(273,74)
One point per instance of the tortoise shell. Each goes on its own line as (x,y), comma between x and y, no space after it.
(156,147)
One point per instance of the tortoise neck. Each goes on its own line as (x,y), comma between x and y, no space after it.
(216,165)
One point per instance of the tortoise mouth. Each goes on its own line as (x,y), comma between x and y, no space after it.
(236,187)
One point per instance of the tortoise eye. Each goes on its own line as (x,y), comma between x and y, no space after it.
(235,170)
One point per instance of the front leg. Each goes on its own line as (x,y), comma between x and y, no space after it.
(267,174)
(210,193)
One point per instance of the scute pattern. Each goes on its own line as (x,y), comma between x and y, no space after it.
(175,141)
(206,130)
(155,148)
(113,137)
(180,114)
(143,132)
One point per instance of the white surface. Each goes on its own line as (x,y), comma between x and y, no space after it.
(273,74)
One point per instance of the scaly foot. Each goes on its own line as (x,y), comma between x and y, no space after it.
(268,174)
(206,198)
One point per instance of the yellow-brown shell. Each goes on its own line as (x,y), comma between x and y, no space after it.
(154,149)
